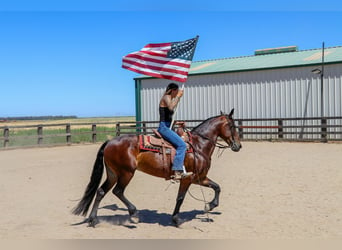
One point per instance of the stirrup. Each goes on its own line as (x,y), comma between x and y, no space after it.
(180,175)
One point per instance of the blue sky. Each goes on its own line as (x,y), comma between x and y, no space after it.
(64,57)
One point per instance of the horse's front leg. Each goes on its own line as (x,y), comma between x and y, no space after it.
(183,188)
(211,184)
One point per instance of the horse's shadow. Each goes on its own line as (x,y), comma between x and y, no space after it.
(150,217)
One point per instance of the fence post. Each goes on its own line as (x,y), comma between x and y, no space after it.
(68,133)
(93,129)
(117,127)
(40,134)
(240,129)
(280,129)
(6,137)
(324,130)
(144,128)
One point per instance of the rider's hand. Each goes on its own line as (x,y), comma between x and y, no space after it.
(180,93)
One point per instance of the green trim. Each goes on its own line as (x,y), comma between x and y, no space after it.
(137,100)
(259,69)
(252,69)
(276,50)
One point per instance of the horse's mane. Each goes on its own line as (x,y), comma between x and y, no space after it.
(203,125)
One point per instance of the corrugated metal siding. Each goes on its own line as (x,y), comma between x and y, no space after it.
(275,93)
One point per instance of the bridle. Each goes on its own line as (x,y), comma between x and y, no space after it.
(218,144)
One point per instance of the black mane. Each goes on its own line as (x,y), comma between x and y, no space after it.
(203,125)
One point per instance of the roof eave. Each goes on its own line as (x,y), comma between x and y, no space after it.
(250,69)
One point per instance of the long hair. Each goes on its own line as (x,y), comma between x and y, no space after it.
(170,87)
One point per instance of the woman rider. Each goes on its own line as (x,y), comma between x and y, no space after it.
(167,106)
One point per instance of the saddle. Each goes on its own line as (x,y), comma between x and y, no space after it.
(157,144)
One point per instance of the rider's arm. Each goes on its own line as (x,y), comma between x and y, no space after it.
(172,103)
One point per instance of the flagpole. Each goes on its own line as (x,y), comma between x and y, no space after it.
(175,110)
(173,118)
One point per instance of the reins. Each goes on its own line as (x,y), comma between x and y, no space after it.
(195,169)
(215,143)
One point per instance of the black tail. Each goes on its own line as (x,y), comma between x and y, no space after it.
(95,179)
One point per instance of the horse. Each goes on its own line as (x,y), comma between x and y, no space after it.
(122,156)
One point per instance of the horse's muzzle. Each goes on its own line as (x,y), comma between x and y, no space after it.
(236,146)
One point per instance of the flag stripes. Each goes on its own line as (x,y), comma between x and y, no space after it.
(163,60)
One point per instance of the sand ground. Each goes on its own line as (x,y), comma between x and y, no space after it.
(269,191)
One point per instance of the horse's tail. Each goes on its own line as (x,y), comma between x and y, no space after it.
(95,179)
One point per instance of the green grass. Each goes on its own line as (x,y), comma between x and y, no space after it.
(56,134)
(29,137)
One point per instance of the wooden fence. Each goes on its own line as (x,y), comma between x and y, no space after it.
(298,129)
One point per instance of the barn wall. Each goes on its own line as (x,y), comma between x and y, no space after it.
(274,93)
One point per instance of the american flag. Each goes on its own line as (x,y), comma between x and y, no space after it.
(163,60)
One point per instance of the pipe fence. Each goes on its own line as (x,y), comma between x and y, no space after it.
(321,129)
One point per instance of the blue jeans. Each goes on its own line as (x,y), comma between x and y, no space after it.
(176,141)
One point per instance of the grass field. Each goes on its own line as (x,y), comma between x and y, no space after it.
(63,121)
(23,133)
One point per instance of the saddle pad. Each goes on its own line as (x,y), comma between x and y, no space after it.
(152,143)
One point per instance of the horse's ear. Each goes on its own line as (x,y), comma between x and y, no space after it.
(222,113)
(231,113)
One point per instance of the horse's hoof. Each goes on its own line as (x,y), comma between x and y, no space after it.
(206,207)
(209,207)
(176,221)
(92,222)
(134,218)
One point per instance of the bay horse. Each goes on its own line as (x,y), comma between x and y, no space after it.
(122,156)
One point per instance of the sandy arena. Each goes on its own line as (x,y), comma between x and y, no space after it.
(269,191)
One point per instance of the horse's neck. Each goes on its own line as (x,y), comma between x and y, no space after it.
(209,129)
(207,135)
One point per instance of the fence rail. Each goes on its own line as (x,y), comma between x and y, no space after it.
(299,129)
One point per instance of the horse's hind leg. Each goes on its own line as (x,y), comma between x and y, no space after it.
(119,190)
(101,192)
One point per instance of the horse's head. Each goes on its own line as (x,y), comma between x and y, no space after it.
(228,131)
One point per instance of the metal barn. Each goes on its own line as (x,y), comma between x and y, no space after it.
(273,83)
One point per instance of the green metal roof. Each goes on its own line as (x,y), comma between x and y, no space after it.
(266,61)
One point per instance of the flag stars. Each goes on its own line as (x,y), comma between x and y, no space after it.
(183,50)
